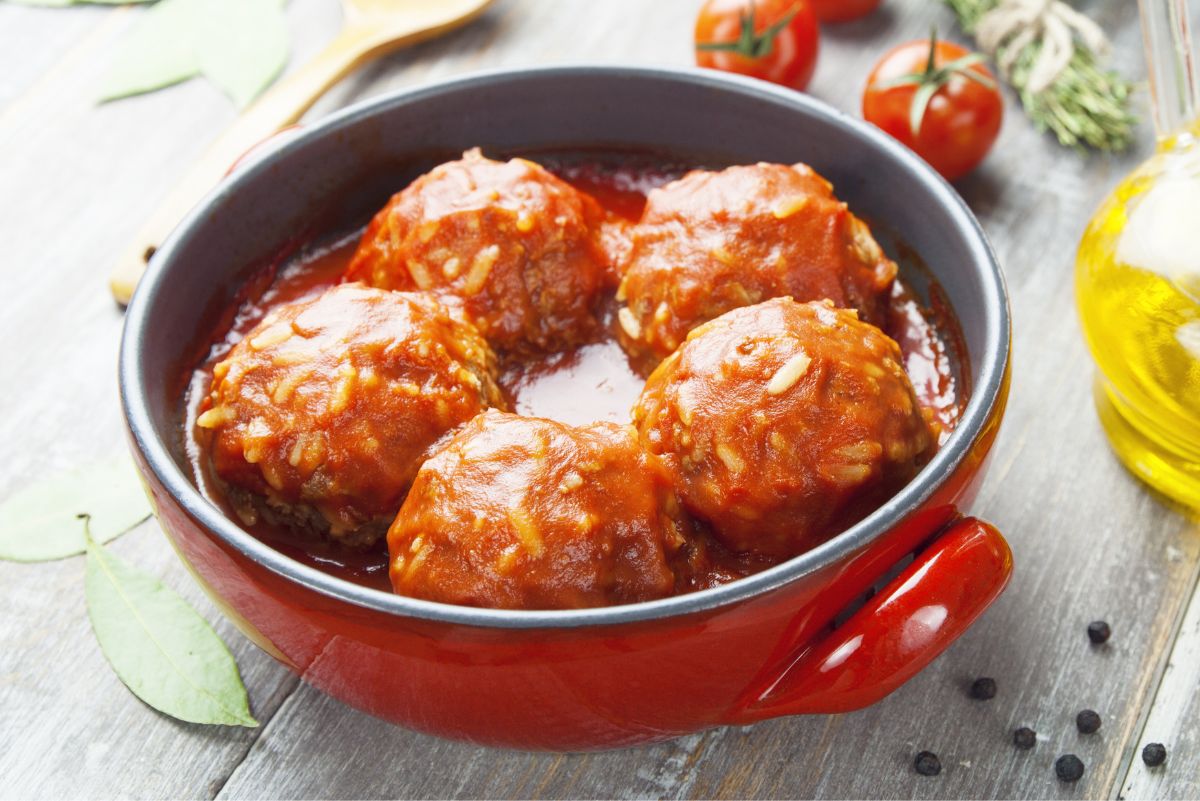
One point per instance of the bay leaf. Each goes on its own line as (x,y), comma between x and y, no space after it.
(155,53)
(240,45)
(40,522)
(160,647)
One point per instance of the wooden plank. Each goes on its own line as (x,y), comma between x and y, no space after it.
(70,726)
(362,757)
(1172,721)
(64,40)
(516,33)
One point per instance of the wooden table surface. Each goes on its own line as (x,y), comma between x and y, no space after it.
(1090,542)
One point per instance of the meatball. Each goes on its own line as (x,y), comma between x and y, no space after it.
(320,417)
(527,513)
(784,422)
(715,241)
(518,248)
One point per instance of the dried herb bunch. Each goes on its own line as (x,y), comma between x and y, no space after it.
(1082,105)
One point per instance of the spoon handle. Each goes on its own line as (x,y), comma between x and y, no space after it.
(278,108)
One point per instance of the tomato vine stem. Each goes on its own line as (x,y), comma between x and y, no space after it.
(931,80)
(750,44)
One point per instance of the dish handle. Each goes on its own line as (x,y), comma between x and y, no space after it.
(899,631)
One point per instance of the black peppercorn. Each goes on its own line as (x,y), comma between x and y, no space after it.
(1069,768)
(1088,721)
(1024,738)
(927,764)
(1099,632)
(983,689)
(1154,754)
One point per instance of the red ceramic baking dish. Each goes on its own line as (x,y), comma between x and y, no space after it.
(757,648)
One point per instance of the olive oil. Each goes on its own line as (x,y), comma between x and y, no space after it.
(1138,291)
(1137,278)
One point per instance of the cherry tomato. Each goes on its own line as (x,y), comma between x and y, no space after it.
(775,40)
(843,10)
(962,119)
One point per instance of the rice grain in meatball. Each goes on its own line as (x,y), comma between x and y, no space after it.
(527,513)
(321,416)
(518,248)
(715,241)
(783,423)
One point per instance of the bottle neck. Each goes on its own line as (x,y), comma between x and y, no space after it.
(1172,71)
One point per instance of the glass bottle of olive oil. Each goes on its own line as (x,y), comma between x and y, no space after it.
(1138,279)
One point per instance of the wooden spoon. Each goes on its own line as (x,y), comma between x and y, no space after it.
(373,28)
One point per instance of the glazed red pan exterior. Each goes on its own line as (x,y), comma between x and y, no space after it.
(754,649)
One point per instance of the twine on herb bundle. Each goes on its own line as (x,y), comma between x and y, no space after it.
(1008,28)
(1048,52)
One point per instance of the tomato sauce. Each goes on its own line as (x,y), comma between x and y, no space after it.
(593,382)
